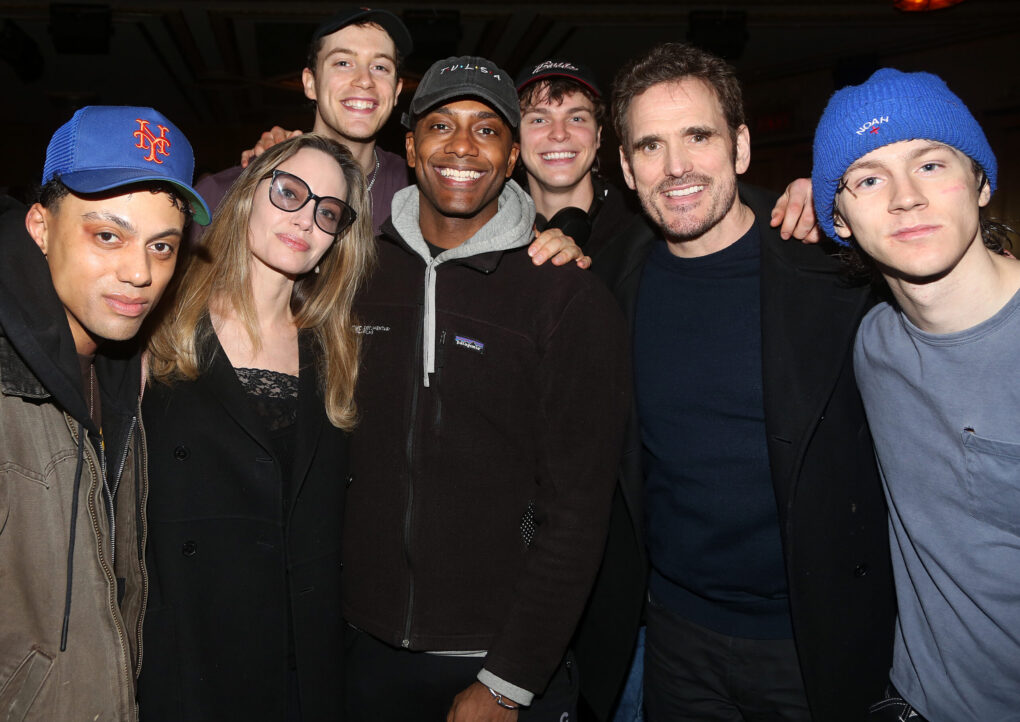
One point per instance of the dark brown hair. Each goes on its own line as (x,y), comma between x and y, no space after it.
(673,63)
(50,195)
(552,90)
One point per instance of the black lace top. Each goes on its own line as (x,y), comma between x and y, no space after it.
(273,396)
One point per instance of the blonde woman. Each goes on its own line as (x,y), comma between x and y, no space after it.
(252,376)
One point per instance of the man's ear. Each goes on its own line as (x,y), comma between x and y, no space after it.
(742,155)
(984,195)
(400,86)
(511,161)
(409,148)
(628,174)
(598,138)
(308,82)
(37,223)
(839,224)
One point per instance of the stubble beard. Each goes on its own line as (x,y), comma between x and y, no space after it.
(684,224)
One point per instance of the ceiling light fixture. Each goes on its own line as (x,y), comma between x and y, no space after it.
(920,6)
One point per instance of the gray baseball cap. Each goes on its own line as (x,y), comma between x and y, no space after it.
(465,77)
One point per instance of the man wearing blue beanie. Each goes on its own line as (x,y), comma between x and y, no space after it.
(901,172)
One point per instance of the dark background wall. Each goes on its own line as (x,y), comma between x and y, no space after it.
(224,70)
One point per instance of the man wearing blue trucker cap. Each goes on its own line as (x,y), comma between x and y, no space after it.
(100,247)
(901,173)
(493,397)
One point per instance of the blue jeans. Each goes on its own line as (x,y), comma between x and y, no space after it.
(630,708)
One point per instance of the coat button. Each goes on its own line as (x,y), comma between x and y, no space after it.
(189,549)
(861,570)
(181,453)
(350,479)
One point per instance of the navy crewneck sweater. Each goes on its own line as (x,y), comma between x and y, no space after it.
(713,525)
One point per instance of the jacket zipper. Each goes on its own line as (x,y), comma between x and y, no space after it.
(111,515)
(408,513)
(111,490)
(107,569)
(440,360)
(143,499)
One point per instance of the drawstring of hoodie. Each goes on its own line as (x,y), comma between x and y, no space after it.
(70,544)
(510,228)
(429,329)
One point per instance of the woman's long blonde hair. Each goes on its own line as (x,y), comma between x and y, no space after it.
(219,272)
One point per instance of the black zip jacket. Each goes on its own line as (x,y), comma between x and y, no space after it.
(525,410)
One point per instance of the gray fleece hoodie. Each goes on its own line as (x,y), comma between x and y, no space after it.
(511,227)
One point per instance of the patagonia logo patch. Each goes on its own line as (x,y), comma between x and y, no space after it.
(469,343)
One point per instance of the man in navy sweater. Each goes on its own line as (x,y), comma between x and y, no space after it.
(770,590)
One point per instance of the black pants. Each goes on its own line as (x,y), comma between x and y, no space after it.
(386,684)
(693,673)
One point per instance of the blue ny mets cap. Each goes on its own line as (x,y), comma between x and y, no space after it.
(103,147)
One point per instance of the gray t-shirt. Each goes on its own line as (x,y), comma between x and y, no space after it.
(944,411)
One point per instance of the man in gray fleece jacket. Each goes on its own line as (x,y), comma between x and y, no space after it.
(493,397)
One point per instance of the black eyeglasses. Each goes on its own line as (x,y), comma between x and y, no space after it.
(289,193)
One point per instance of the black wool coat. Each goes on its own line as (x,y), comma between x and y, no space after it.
(231,563)
(832,511)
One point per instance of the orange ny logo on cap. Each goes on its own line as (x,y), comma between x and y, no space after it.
(148,140)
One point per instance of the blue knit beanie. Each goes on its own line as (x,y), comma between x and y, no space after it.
(889,107)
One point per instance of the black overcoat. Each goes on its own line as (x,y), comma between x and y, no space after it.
(227,564)
(832,510)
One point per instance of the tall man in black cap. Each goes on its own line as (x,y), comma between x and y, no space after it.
(352,74)
(480,492)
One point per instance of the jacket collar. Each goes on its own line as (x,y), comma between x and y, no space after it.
(511,227)
(809,317)
(221,383)
(16,378)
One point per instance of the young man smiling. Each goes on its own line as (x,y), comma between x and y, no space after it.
(562,115)
(82,270)
(480,492)
(352,74)
(901,173)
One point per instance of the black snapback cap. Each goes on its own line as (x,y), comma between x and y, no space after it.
(389,22)
(559,69)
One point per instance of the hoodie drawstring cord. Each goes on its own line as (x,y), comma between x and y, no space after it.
(429,326)
(70,544)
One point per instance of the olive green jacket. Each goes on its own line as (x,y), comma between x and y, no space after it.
(70,606)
